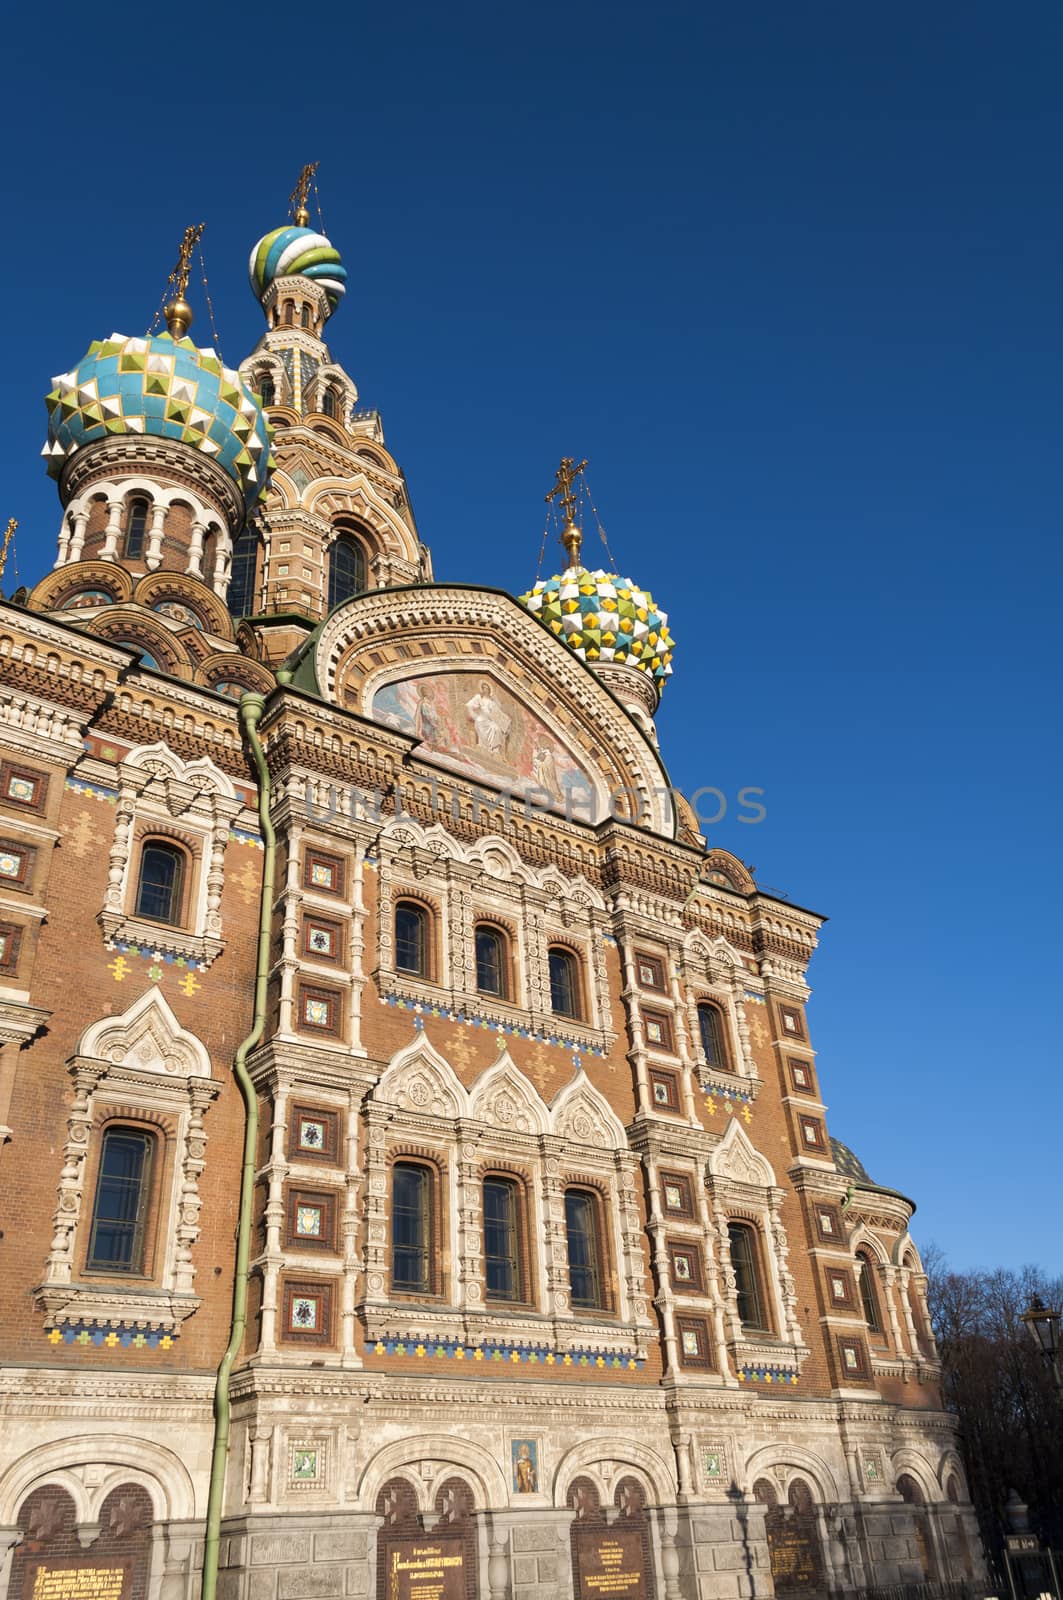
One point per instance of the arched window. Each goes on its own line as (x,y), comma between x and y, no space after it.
(328,403)
(868,1297)
(502,1241)
(583,1233)
(749,1283)
(411,1228)
(241,595)
(267,390)
(564,982)
(116,1243)
(289,313)
(160,882)
(492,965)
(136,526)
(411,939)
(710,1027)
(346,569)
(304,316)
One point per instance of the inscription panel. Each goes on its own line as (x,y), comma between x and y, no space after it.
(78,1580)
(610,1562)
(423,1567)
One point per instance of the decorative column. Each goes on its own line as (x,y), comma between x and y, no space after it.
(713,1288)
(349,1356)
(195,550)
(356,954)
(153,558)
(274,1220)
(71,1179)
(201,1091)
(468,1285)
(552,1205)
(655,1229)
(112,531)
(637,1053)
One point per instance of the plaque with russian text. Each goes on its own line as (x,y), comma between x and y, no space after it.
(78,1580)
(422,1567)
(610,1564)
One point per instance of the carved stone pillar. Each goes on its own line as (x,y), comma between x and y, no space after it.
(112,531)
(71,1178)
(153,557)
(349,1236)
(195,550)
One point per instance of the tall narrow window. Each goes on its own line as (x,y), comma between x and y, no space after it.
(584,1249)
(491,964)
(328,403)
(160,882)
(116,1243)
(135,529)
(502,1239)
(868,1297)
(346,569)
(241,596)
(411,1227)
(267,391)
(746,1265)
(411,939)
(304,316)
(564,983)
(710,1026)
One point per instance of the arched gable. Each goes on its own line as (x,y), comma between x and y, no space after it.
(624,1455)
(419,1079)
(504,1098)
(581,1114)
(149,1037)
(735,1158)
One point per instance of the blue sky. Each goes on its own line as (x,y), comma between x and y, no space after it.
(787,276)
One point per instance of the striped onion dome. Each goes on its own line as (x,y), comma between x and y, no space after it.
(297,252)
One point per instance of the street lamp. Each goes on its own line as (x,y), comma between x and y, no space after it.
(1043,1324)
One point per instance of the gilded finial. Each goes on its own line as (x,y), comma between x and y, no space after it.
(298,197)
(178,313)
(12,524)
(563,493)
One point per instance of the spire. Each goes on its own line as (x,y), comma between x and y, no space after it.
(562,492)
(298,197)
(178,313)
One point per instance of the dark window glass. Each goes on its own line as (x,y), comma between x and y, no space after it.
(501,1239)
(411,1201)
(346,570)
(868,1298)
(328,403)
(491,962)
(241,598)
(584,1259)
(709,1024)
(747,1275)
(135,529)
(564,988)
(411,942)
(304,316)
(117,1242)
(267,391)
(159,884)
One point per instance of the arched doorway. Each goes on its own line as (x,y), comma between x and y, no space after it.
(912,1495)
(113,1565)
(793,1537)
(411,1561)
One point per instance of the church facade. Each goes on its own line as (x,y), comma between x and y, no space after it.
(415,1181)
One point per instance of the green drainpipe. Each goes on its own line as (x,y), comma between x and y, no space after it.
(251,708)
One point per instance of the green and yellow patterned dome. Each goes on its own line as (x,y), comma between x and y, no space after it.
(165,387)
(602,617)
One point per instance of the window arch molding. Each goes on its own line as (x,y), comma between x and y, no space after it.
(410,1238)
(493,954)
(567,979)
(347,559)
(414,922)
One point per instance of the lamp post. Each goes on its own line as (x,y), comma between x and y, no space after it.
(1043,1324)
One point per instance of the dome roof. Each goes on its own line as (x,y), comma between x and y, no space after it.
(602,617)
(165,387)
(296,252)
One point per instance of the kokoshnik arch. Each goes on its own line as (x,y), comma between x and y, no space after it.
(553,1274)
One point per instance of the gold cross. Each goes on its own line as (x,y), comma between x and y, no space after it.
(297,198)
(180,274)
(562,492)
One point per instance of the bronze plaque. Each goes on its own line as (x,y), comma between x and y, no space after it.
(611,1564)
(794,1558)
(423,1567)
(77,1580)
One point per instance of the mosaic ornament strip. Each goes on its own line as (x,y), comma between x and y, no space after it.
(298,252)
(501,1030)
(602,617)
(777,1375)
(167,388)
(513,1355)
(735,1101)
(124,1337)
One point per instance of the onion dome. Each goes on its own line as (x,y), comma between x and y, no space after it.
(602,617)
(167,388)
(298,252)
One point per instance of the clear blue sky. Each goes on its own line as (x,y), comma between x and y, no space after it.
(787,275)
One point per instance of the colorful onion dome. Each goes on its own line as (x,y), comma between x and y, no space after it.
(604,618)
(296,252)
(167,388)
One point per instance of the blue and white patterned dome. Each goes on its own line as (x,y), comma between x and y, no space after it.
(603,617)
(297,252)
(167,388)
